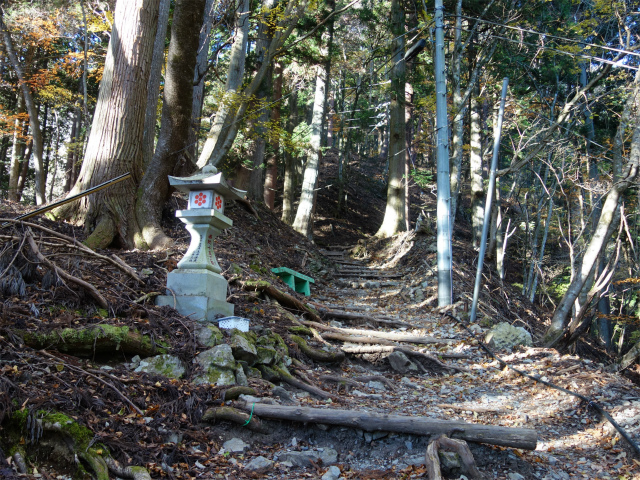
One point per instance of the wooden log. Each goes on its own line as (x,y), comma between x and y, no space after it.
(371,422)
(364,349)
(399,337)
(328,312)
(359,339)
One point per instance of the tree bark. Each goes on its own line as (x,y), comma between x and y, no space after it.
(472,432)
(176,120)
(115,142)
(394,216)
(153,88)
(475,161)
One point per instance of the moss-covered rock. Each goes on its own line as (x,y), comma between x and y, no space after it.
(165,365)
(218,367)
(267,355)
(209,335)
(243,348)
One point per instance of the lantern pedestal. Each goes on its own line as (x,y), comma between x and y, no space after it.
(196,288)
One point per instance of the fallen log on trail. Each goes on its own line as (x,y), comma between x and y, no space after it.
(357,339)
(329,312)
(399,337)
(364,349)
(378,422)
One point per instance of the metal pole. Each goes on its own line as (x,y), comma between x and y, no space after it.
(442,154)
(487,208)
(69,199)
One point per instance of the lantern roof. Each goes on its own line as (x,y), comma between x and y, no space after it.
(208,179)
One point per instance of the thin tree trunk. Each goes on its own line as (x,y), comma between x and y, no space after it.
(475,161)
(153,86)
(303,222)
(202,61)
(603,229)
(176,119)
(394,217)
(14,171)
(34,121)
(455,164)
(269,193)
(289,163)
(228,103)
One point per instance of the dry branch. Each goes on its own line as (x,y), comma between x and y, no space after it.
(357,339)
(90,289)
(371,422)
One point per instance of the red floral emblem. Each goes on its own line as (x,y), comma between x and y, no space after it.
(200,199)
(218,202)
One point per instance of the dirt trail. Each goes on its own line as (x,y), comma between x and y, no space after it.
(572,441)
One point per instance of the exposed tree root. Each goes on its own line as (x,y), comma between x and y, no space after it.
(431,359)
(443,442)
(90,289)
(316,354)
(234,415)
(135,473)
(283,298)
(286,377)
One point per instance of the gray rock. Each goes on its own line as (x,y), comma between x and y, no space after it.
(218,365)
(507,336)
(303,459)
(259,464)
(208,335)
(220,356)
(165,365)
(401,363)
(377,385)
(515,476)
(407,382)
(243,349)
(332,474)
(241,378)
(282,394)
(449,460)
(266,355)
(235,445)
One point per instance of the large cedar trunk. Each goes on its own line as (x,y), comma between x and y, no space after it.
(176,119)
(115,143)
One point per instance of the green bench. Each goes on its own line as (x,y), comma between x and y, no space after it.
(297,281)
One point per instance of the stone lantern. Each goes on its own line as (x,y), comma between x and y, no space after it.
(196,287)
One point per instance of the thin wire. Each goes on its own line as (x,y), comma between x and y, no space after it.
(579,55)
(579,42)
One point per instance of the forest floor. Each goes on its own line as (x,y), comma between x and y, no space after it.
(360,283)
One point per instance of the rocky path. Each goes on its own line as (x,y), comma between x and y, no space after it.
(572,441)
